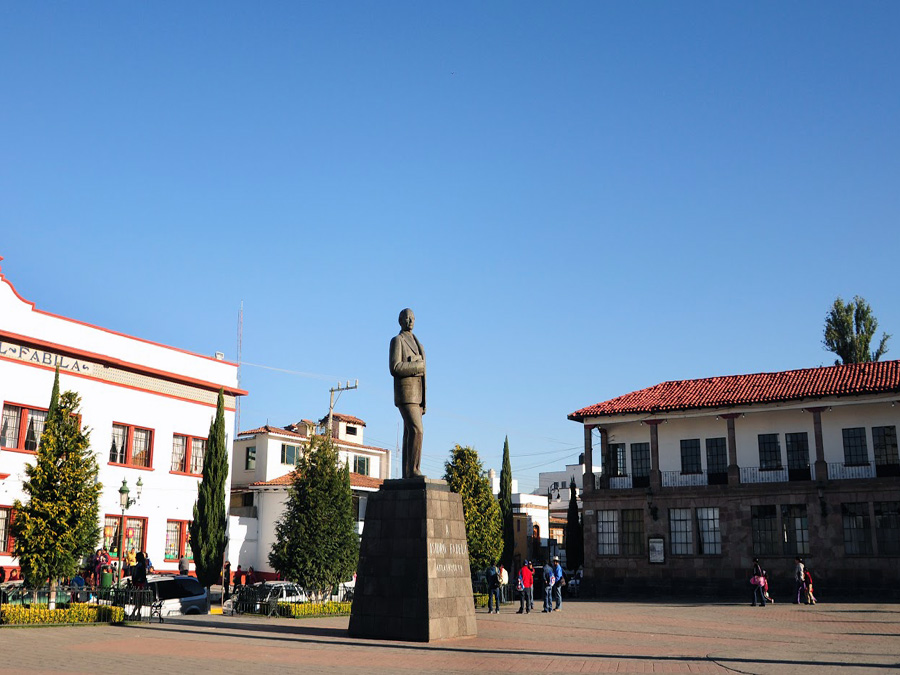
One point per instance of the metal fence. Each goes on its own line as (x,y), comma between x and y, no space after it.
(842,471)
(277,600)
(74,605)
(508,593)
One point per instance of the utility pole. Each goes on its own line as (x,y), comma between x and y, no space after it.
(339,389)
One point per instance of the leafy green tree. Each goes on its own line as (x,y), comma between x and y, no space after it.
(207,530)
(316,543)
(849,330)
(465,476)
(506,508)
(59,524)
(574,531)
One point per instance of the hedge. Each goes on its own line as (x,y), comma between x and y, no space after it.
(303,610)
(75,613)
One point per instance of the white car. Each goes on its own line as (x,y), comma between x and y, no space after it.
(281,591)
(173,596)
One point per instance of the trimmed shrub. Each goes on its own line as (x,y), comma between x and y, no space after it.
(75,613)
(304,610)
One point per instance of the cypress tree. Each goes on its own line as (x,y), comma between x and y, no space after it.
(574,532)
(506,509)
(207,530)
(54,395)
(465,475)
(316,543)
(59,524)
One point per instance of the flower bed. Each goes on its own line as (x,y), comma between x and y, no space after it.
(303,610)
(76,613)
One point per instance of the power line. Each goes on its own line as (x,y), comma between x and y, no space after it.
(314,376)
(552,461)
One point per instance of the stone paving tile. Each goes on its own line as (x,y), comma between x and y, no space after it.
(586,637)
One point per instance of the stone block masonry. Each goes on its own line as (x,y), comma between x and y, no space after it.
(413,580)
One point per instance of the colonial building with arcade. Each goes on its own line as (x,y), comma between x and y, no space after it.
(698,477)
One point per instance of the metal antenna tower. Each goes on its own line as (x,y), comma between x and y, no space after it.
(240,343)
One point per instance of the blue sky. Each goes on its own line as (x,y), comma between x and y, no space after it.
(577,200)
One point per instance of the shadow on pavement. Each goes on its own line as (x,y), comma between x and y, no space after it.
(314,635)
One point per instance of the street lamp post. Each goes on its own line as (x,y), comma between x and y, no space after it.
(125,502)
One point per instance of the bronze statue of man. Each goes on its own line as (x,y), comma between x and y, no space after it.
(407,363)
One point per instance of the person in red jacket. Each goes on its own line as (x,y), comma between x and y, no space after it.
(525,586)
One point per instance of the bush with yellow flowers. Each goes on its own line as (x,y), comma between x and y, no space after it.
(21,615)
(305,610)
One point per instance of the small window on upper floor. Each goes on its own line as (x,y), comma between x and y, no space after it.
(131,446)
(290,454)
(351,431)
(769,452)
(21,427)
(361,465)
(250,459)
(856,453)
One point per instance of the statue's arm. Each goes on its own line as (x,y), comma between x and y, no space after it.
(401,368)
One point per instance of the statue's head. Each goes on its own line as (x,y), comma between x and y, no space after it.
(407,319)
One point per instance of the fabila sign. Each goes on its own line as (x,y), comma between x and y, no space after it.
(17,352)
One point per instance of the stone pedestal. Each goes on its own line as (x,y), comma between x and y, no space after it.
(413,579)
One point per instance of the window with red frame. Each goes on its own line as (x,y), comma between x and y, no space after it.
(6,540)
(135,534)
(187,454)
(21,427)
(178,540)
(131,446)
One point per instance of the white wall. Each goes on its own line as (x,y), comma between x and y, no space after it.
(839,414)
(165,496)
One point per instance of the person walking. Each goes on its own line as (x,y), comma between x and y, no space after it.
(560,581)
(800,578)
(810,597)
(184,565)
(526,588)
(549,580)
(757,580)
(493,579)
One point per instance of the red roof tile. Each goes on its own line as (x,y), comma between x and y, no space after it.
(356,480)
(734,390)
(349,419)
(267,429)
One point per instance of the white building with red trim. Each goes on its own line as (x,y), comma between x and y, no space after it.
(263,461)
(148,407)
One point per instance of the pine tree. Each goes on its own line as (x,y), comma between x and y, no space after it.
(849,330)
(59,524)
(506,508)
(465,476)
(574,532)
(207,530)
(316,543)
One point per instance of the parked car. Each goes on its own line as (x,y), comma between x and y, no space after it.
(281,591)
(176,595)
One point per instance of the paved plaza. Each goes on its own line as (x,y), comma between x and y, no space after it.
(586,637)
